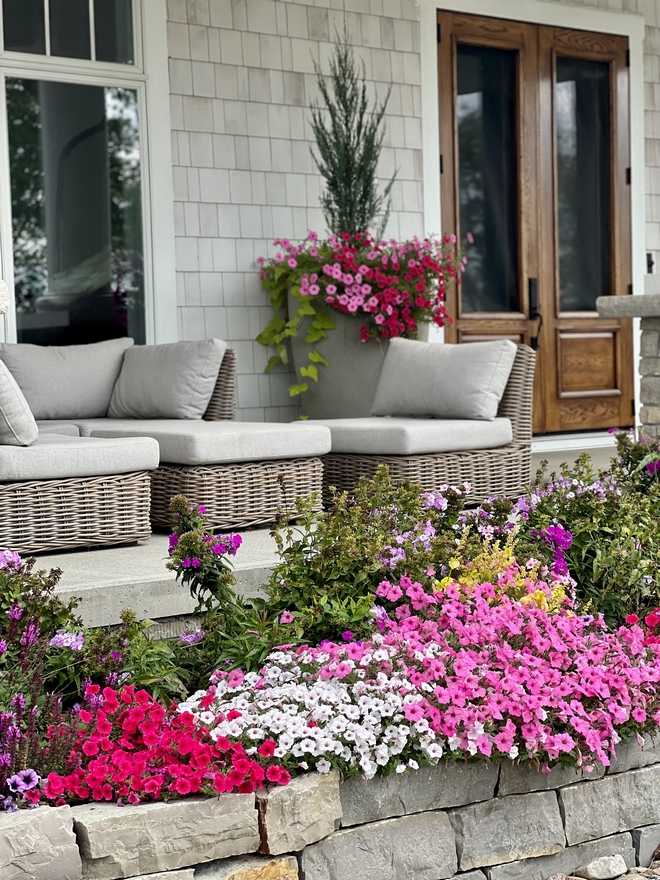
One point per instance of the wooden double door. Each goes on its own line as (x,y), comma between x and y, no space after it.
(535,183)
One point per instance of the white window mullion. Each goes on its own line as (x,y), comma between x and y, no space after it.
(92,36)
(47,24)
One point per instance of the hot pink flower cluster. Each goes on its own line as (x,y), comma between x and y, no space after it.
(450,675)
(130,748)
(396,285)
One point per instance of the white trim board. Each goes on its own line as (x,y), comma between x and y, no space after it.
(573,442)
(558,15)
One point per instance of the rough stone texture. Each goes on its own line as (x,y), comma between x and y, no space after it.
(186,874)
(646,840)
(148,838)
(649,366)
(649,343)
(650,323)
(619,802)
(521,779)
(471,875)
(39,845)
(420,847)
(250,868)
(506,829)
(604,868)
(429,788)
(302,812)
(631,756)
(645,305)
(567,860)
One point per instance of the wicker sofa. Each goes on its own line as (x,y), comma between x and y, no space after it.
(499,469)
(244,474)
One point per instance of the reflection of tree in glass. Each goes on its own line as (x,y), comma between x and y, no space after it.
(125,205)
(472,198)
(27,193)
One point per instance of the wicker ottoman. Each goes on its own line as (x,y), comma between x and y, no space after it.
(65,492)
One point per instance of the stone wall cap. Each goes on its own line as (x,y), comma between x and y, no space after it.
(646,305)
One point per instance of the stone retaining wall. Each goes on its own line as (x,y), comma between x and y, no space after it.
(467,821)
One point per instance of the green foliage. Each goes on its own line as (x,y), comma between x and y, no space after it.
(615,554)
(349,138)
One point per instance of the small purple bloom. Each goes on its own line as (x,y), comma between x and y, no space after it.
(191,638)
(10,561)
(174,540)
(202,509)
(653,467)
(195,563)
(348,636)
(16,612)
(23,781)
(286,617)
(3,646)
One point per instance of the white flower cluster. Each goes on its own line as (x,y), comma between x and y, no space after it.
(313,719)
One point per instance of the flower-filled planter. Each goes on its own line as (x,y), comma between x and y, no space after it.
(339,301)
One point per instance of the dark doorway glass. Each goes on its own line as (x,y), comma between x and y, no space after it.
(69,28)
(582,115)
(74,155)
(113,29)
(487,175)
(23,26)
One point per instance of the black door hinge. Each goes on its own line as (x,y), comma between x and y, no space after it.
(630,290)
(439,32)
(442,170)
(628,175)
(632,407)
(627,57)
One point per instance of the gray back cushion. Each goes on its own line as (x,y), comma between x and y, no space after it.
(66,381)
(446,381)
(17,424)
(172,381)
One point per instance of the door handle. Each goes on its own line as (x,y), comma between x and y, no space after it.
(534,311)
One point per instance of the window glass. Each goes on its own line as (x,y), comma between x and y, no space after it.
(582,112)
(76,212)
(69,28)
(23,26)
(486,121)
(113,29)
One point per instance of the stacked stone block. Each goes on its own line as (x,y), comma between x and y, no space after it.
(649,368)
(451,822)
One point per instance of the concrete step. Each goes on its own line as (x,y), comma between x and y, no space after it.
(108,581)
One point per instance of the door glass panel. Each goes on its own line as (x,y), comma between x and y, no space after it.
(486,120)
(23,26)
(76,212)
(69,28)
(113,29)
(582,111)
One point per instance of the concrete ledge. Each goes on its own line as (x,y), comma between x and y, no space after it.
(646,305)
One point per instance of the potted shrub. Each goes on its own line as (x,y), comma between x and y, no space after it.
(353,283)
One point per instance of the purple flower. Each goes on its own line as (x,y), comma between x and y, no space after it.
(16,612)
(10,561)
(195,563)
(202,509)
(653,467)
(286,617)
(174,540)
(3,646)
(18,702)
(30,635)
(348,636)
(64,639)
(186,563)
(191,638)
(7,804)
(23,781)
(115,655)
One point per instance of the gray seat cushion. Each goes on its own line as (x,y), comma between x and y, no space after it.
(66,429)
(172,381)
(407,436)
(198,443)
(55,456)
(447,381)
(66,381)
(17,424)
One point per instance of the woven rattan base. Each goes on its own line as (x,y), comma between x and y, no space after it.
(236,495)
(503,471)
(82,512)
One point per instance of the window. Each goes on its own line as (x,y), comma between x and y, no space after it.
(74,155)
(96,30)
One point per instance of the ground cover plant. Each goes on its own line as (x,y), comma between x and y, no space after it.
(399,628)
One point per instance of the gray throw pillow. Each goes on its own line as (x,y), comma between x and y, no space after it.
(443,380)
(172,381)
(66,381)
(17,424)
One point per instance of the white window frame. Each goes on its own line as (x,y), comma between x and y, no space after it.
(150,79)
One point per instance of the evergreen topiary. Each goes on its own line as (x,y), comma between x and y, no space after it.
(349,138)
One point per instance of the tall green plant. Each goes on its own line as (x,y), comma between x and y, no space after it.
(349,138)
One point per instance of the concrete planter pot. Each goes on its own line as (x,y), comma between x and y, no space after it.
(346,389)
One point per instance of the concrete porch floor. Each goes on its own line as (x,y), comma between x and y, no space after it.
(107,581)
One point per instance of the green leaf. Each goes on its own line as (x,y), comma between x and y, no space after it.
(310,373)
(314,335)
(294,390)
(323,321)
(306,308)
(317,358)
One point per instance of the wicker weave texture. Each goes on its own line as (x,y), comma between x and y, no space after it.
(236,495)
(502,471)
(63,514)
(222,405)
